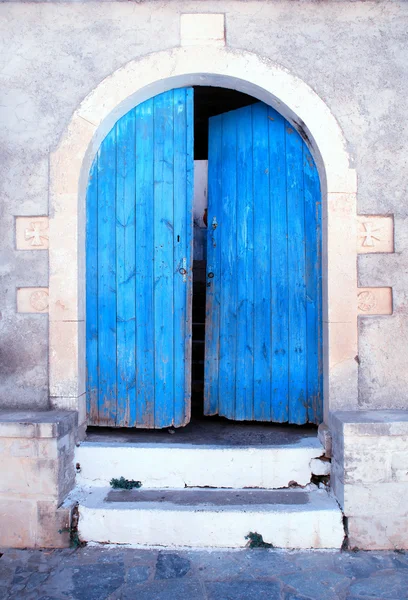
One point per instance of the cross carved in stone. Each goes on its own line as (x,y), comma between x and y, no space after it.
(368,234)
(36,234)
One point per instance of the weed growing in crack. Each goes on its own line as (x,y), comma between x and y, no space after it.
(124,484)
(256,541)
(74,539)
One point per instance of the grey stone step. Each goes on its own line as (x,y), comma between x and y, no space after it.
(169,462)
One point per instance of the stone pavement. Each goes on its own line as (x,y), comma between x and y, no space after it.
(99,573)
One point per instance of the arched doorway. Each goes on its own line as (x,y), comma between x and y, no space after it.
(69,170)
(263,341)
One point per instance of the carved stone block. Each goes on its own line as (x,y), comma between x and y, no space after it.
(374,301)
(32,233)
(32,300)
(202,29)
(375,234)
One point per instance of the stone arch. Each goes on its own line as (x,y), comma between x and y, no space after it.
(69,167)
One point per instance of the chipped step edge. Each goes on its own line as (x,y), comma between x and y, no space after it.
(318,524)
(218,467)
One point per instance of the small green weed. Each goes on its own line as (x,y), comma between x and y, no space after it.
(256,541)
(74,539)
(124,484)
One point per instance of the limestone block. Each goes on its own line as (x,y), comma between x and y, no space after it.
(63,352)
(66,161)
(28,448)
(32,233)
(202,29)
(375,532)
(336,481)
(32,300)
(341,250)
(18,521)
(374,498)
(36,424)
(36,474)
(370,475)
(363,465)
(374,301)
(63,277)
(369,423)
(30,477)
(400,460)
(66,472)
(77,404)
(399,466)
(53,525)
(375,234)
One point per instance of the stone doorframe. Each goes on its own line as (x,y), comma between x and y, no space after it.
(69,168)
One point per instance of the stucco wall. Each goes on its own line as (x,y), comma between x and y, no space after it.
(353,54)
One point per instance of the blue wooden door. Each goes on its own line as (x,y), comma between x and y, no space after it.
(139,267)
(263,317)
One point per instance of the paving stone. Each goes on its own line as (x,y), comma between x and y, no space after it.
(133,557)
(137,574)
(94,555)
(35,580)
(319,585)
(104,573)
(59,584)
(399,561)
(244,564)
(321,560)
(170,566)
(242,590)
(361,565)
(15,591)
(265,563)
(6,572)
(96,582)
(171,589)
(390,586)
(21,574)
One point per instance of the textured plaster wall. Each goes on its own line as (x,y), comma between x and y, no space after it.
(353,54)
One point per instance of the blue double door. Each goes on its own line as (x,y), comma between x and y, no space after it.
(263,314)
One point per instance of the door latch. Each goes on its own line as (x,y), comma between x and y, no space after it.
(183,269)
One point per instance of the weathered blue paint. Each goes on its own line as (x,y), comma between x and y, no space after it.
(139,240)
(263,329)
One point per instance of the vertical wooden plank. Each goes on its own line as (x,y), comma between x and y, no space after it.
(145,344)
(228,274)
(297,284)
(92,294)
(107,280)
(262,253)
(163,226)
(244,271)
(279,267)
(125,271)
(182,237)
(212,311)
(313,287)
(189,249)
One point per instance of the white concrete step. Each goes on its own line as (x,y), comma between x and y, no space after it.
(198,518)
(179,465)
